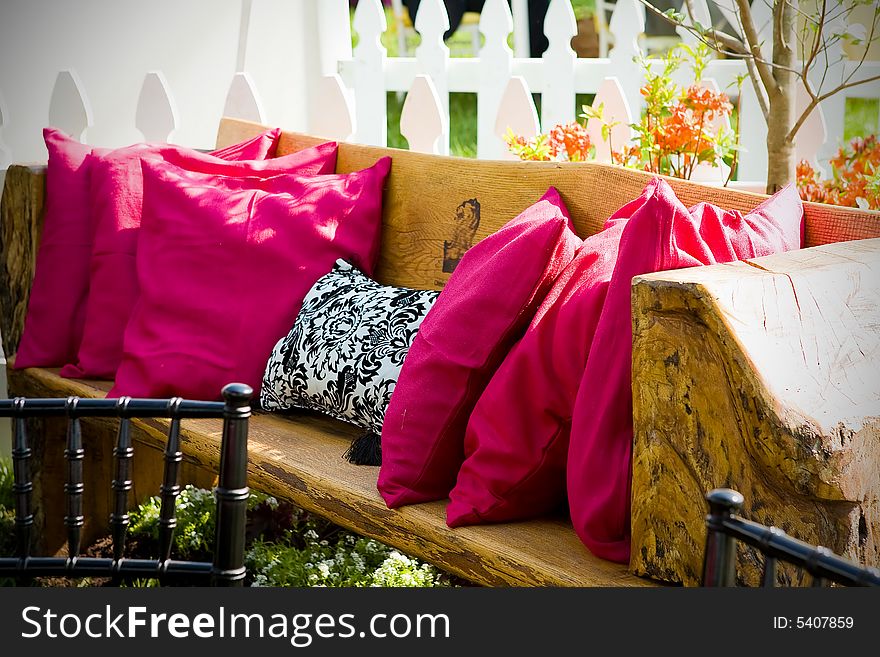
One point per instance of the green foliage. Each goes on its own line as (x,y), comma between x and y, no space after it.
(287,546)
(194,535)
(7,514)
(6,498)
(583,8)
(860,118)
(7,532)
(345,560)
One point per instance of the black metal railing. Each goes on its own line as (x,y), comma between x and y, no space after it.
(227,568)
(725,528)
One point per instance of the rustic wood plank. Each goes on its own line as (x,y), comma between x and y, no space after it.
(760,376)
(21,216)
(300,459)
(426,196)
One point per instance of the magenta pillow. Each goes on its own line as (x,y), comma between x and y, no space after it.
(516,442)
(117,199)
(483,310)
(224,264)
(261,147)
(661,234)
(56,308)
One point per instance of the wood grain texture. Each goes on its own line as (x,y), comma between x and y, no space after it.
(423,193)
(21,214)
(762,376)
(300,459)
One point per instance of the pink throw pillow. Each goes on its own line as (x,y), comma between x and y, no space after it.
(261,147)
(56,309)
(483,310)
(117,200)
(661,234)
(224,264)
(516,443)
(57,306)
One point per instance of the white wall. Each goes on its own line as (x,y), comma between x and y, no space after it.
(112,45)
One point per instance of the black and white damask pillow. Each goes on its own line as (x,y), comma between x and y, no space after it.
(345,350)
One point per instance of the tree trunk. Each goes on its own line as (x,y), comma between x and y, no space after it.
(780,143)
(780,150)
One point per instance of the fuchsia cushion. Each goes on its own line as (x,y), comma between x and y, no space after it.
(518,437)
(56,309)
(661,234)
(484,308)
(261,147)
(117,199)
(516,443)
(224,264)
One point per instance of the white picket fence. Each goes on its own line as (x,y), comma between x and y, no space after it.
(504,83)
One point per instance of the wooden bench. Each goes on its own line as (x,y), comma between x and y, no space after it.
(757,376)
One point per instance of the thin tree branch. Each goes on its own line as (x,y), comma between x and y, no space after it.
(816,99)
(779,36)
(734,46)
(864,52)
(759,90)
(727,40)
(814,52)
(751,35)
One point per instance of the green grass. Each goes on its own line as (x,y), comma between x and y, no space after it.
(861,118)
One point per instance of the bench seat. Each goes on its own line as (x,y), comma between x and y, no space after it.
(299,458)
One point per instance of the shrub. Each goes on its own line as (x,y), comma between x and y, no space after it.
(286,545)
(673,136)
(345,560)
(855,181)
(7,500)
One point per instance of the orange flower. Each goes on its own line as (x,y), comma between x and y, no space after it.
(572,140)
(856,177)
(705,101)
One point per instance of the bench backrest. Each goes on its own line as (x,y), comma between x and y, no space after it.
(427,197)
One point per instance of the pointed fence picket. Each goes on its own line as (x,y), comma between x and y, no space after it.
(517,113)
(336,120)
(423,122)
(496,62)
(559,59)
(616,114)
(156,116)
(68,106)
(242,101)
(432,56)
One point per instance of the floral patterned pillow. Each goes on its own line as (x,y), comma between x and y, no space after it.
(344,353)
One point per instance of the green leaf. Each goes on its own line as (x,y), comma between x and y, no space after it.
(674,15)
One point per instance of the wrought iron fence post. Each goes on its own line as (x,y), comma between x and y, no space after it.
(232,491)
(719,560)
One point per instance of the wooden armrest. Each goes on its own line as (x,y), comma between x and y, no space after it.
(760,376)
(21,221)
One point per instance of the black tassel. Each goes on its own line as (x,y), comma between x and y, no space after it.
(366,449)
